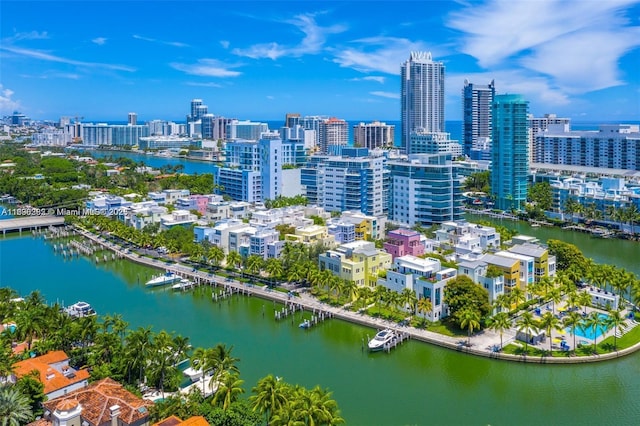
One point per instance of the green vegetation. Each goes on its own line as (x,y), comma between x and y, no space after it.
(135,357)
(467,301)
(298,200)
(478,182)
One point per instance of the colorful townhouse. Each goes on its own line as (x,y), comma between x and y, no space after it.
(358,261)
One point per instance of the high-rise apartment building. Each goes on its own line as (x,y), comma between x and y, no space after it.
(245,129)
(477,101)
(355,181)
(333,131)
(426,189)
(132,119)
(612,146)
(539,125)
(422,95)
(373,135)
(291,119)
(253,169)
(510,151)
(433,143)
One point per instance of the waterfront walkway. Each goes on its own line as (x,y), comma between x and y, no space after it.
(480,344)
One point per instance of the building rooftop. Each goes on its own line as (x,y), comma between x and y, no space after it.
(52,378)
(97,398)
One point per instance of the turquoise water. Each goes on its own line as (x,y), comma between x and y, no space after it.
(416,384)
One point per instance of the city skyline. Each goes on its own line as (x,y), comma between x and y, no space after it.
(262,59)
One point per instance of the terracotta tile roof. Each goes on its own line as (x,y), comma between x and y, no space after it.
(97,398)
(195,421)
(175,421)
(41,422)
(169,421)
(52,379)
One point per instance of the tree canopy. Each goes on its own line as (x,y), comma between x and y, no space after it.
(462,294)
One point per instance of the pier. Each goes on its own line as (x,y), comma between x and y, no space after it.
(29,223)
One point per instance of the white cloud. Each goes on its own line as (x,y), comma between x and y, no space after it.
(7,104)
(36,54)
(313,41)
(270,97)
(207,68)
(154,40)
(99,40)
(208,84)
(389,95)
(380,54)
(380,79)
(52,74)
(31,35)
(576,43)
(225,44)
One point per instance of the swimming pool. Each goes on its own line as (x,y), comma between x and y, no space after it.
(588,333)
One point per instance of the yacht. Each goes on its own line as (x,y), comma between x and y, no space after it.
(183,284)
(80,309)
(193,373)
(166,278)
(381,339)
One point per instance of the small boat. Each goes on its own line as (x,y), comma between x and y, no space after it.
(193,373)
(166,278)
(381,339)
(79,310)
(183,284)
(305,324)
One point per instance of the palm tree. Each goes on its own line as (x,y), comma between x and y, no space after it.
(222,362)
(138,348)
(556,297)
(573,320)
(409,299)
(274,268)
(517,296)
(15,409)
(364,294)
(229,390)
(594,322)
(549,322)
(270,396)
(215,255)
(502,301)
(379,294)
(254,264)
(350,289)
(584,300)
(616,322)
(469,319)
(527,324)
(234,259)
(424,306)
(198,361)
(499,322)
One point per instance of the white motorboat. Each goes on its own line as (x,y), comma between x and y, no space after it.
(193,373)
(183,284)
(381,339)
(79,310)
(166,278)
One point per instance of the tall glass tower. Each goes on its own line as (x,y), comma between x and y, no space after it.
(477,101)
(510,153)
(422,95)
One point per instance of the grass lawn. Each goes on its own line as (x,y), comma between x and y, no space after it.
(627,340)
(389,314)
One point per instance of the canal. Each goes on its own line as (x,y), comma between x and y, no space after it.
(416,384)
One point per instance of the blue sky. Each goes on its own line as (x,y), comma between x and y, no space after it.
(262,59)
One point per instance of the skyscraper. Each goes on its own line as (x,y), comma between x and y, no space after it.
(422,95)
(333,131)
(477,101)
(133,119)
(510,154)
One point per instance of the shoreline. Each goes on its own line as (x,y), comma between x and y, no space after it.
(311,304)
